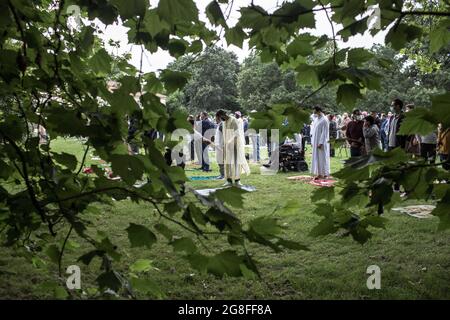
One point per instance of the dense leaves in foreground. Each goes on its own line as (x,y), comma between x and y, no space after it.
(54,74)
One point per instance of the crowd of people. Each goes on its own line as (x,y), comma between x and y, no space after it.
(363,132)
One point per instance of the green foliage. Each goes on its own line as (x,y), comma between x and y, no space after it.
(212,85)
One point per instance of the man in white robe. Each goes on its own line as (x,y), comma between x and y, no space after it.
(320,142)
(218,145)
(233,149)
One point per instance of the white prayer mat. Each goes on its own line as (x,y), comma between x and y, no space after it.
(207,192)
(419,211)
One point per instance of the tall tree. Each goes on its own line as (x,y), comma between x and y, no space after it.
(212,84)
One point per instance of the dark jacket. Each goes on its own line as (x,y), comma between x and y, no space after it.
(207,125)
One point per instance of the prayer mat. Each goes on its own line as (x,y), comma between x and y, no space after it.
(419,211)
(207,192)
(322,183)
(300,178)
(203,178)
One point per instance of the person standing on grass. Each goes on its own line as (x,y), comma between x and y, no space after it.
(197,141)
(384,131)
(255,141)
(320,166)
(428,145)
(333,132)
(354,134)
(371,134)
(218,143)
(444,147)
(206,126)
(394,139)
(233,150)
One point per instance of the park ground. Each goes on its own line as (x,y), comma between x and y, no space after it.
(413,256)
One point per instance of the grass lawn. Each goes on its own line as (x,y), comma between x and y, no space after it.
(414,258)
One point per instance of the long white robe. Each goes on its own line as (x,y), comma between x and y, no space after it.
(320,157)
(198,142)
(234,149)
(218,142)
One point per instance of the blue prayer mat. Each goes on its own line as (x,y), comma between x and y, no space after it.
(203,178)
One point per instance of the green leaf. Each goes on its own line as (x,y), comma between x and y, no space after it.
(266,226)
(147,286)
(60,293)
(53,253)
(307,75)
(301,45)
(153,24)
(347,94)
(292,245)
(442,211)
(440,107)
(100,63)
(68,160)
(323,228)
(177,47)
(141,265)
(174,80)
(131,8)
(215,15)
(164,230)
(152,83)
(232,196)
(399,35)
(109,280)
(360,234)
(440,36)
(184,244)
(140,236)
(357,56)
(87,258)
(174,11)
(376,222)
(326,194)
(227,262)
(418,121)
(292,207)
(235,36)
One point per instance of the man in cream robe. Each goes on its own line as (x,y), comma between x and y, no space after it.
(233,149)
(320,142)
(218,145)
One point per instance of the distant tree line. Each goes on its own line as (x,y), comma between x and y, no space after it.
(218,81)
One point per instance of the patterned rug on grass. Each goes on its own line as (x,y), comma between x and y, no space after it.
(300,178)
(310,180)
(419,211)
(322,183)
